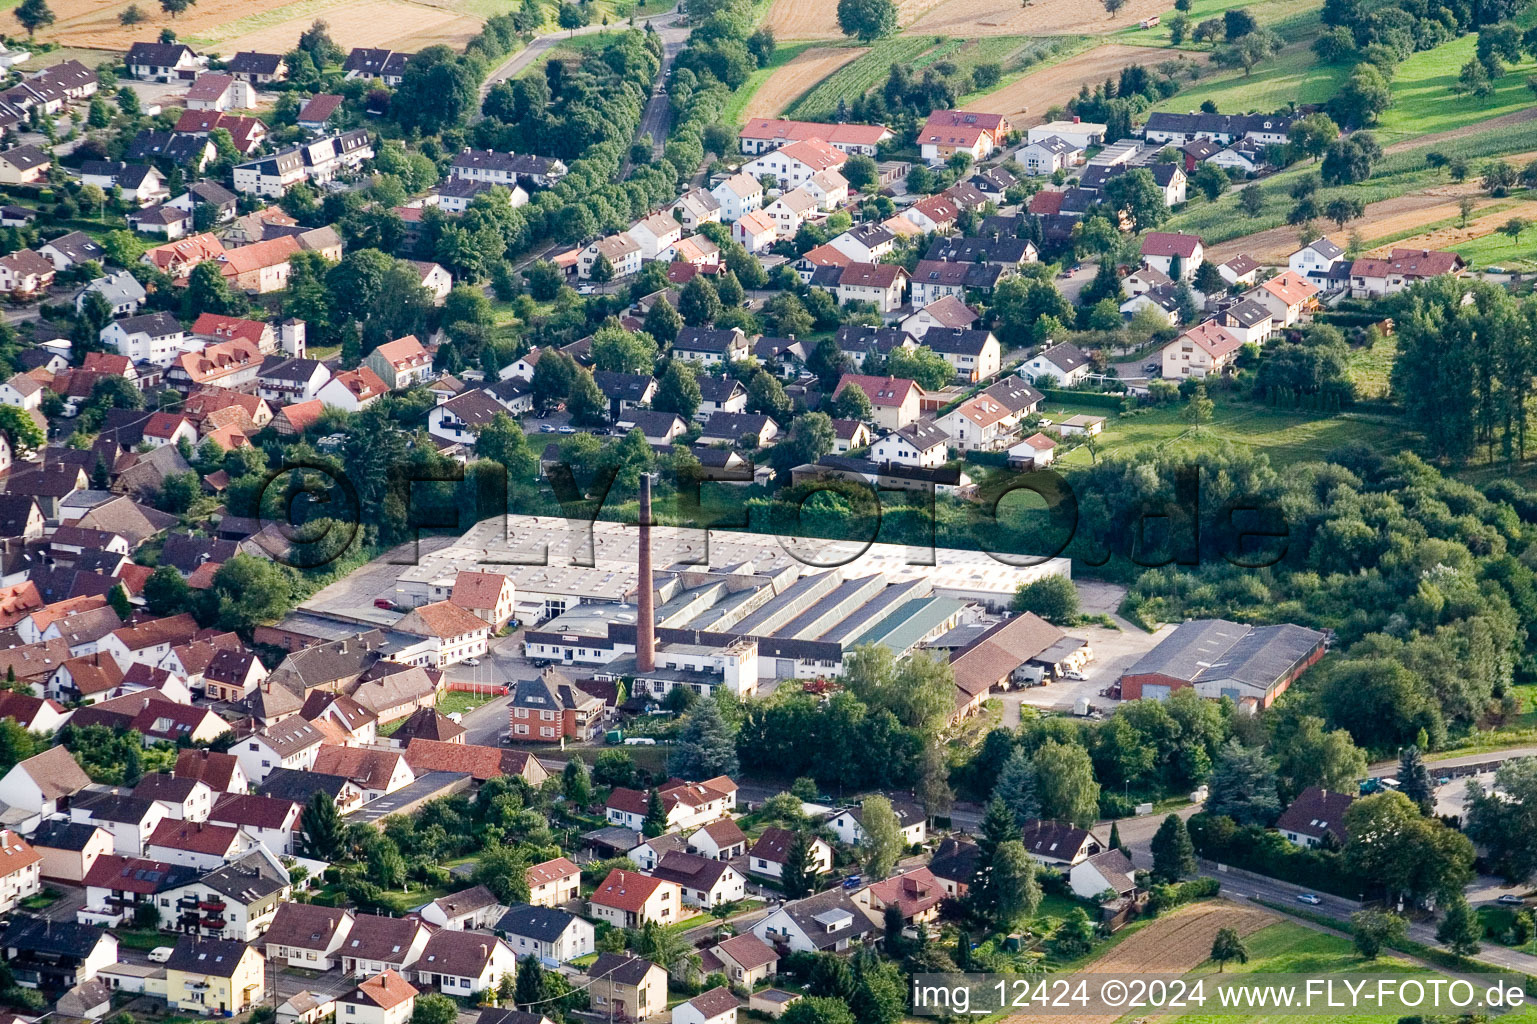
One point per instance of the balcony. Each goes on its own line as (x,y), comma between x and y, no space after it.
(214,907)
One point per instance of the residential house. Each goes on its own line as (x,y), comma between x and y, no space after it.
(880,284)
(710,345)
(472,909)
(796,162)
(553,883)
(140,183)
(744,959)
(947,132)
(762,135)
(695,207)
(1106,871)
(24,165)
(716,1006)
(386,998)
(1316,817)
(920,444)
(20,870)
(489,596)
(400,363)
(622,252)
(164,62)
(895,401)
(508,168)
(1035,452)
(1048,155)
(1179,256)
(1208,349)
(627,986)
(376,944)
(1060,365)
(308,935)
(1240,270)
(220,92)
(862,243)
(628,899)
(235,901)
(214,976)
(267,820)
(122,292)
(913,822)
(737,195)
(546,932)
(976,355)
(829,922)
(755,230)
(656,235)
(72,250)
(25,273)
(1289,295)
(704,881)
(1059,844)
(287,380)
(915,894)
(464,963)
(1249,320)
(292,743)
(43,784)
(70,849)
(792,209)
(376,772)
(256,68)
(55,956)
(768,855)
(722,840)
(936,213)
(1318,261)
(196,844)
(452,634)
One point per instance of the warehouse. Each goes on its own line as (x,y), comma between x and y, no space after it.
(1251,664)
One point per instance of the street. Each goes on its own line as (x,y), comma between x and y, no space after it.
(656,119)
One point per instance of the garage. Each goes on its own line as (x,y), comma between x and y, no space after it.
(1155,691)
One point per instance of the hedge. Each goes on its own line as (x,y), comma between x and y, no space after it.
(1097,399)
(1166,897)
(982,458)
(1267,853)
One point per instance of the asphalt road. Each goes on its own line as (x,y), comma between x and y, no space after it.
(514,65)
(656,119)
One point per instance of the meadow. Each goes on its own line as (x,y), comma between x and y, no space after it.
(1286,436)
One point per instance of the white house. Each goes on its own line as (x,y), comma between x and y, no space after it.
(755,230)
(1318,260)
(796,163)
(623,253)
(156,338)
(717,1006)
(737,195)
(1063,365)
(1107,871)
(1176,255)
(546,932)
(1048,156)
(656,235)
(845,823)
(921,444)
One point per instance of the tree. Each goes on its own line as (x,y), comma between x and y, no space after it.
(1251,201)
(20,430)
(1403,852)
(706,747)
(386,867)
(620,351)
(1370,930)
(1499,177)
(800,870)
(602,270)
(1074,936)
(663,323)
(1312,135)
(1016,787)
(1112,7)
(504,870)
(867,19)
(1342,209)
(678,390)
(1065,781)
(811,437)
(434,1008)
(1460,929)
(131,15)
(1465,207)
(1308,755)
(586,403)
(175,7)
(1414,780)
(248,591)
(614,768)
(1210,180)
(575,783)
(853,404)
(33,15)
(1053,598)
(1014,882)
(1514,227)
(321,829)
(1364,96)
(1349,160)
(1504,819)
(544,280)
(1228,945)
(699,304)
(656,817)
(818,1010)
(1173,852)
(1243,786)
(1198,409)
(882,841)
(532,987)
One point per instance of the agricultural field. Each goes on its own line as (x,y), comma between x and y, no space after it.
(1288,948)
(1423,100)
(225,26)
(1285,16)
(1026,99)
(862,75)
(1286,435)
(794,69)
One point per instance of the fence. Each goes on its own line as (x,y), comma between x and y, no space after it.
(485,689)
(1097,399)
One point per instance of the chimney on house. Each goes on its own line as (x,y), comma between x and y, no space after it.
(645,615)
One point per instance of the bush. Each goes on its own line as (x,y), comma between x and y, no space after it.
(1116,805)
(1166,897)
(1098,399)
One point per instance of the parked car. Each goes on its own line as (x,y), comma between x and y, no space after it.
(1074,674)
(159,955)
(385,603)
(853,882)
(1510,899)
(1151,367)
(472,662)
(1309,898)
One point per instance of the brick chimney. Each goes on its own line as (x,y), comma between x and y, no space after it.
(645,614)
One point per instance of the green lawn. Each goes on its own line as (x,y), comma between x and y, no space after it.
(1500,250)
(1284,16)
(1423,100)
(736,107)
(1294,74)
(1287,948)
(458,701)
(1369,367)
(1285,435)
